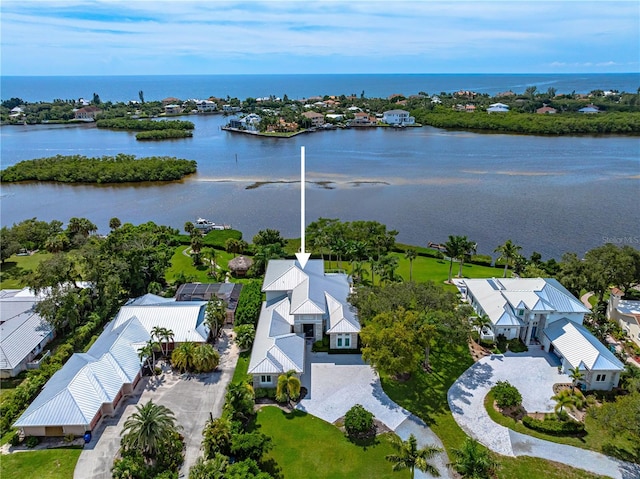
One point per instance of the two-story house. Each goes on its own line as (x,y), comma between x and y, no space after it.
(540,311)
(301,304)
(398,117)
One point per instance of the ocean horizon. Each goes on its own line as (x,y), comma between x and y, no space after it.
(297,86)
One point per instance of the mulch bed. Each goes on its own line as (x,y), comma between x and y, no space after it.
(477,352)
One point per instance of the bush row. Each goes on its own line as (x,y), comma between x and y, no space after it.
(553,426)
(144,125)
(249,304)
(163,134)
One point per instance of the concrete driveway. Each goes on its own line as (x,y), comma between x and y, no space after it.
(534,373)
(337,382)
(191,397)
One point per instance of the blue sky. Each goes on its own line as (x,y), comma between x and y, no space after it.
(113,37)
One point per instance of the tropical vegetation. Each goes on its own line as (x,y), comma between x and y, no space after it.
(409,456)
(121,168)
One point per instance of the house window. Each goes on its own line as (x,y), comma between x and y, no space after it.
(265,379)
(601,377)
(521,312)
(343,341)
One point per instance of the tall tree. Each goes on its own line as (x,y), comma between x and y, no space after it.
(453,249)
(508,252)
(411,254)
(409,456)
(467,249)
(215,315)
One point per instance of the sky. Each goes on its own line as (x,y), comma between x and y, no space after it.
(137,37)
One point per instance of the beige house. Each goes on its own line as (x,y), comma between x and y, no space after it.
(317,119)
(626,313)
(87,113)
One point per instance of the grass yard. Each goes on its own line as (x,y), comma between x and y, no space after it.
(426,396)
(41,464)
(305,446)
(240,373)
(15,268)
(181,263)
(596,439)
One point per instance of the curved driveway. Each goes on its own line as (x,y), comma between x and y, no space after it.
(534,374)
(337,382)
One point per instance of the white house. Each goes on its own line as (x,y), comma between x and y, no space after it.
(397,117)
(23,333)
(300,304)
(206,106)
(626,313)
(90,385)
(542,312)
(251,121)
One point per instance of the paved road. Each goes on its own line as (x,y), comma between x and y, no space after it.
(191,397)
(533,374)
(337,382)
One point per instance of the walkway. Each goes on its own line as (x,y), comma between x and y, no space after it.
(337,382)
(585,300)
(191,397)
(534,374)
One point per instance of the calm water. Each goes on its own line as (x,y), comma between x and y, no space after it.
(547,194)
(125,88)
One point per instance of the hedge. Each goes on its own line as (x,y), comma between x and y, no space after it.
(553,426)
(249,304)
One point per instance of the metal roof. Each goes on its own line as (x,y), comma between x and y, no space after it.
(21,329)
(581,348)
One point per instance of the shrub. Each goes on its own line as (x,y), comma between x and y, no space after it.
(358,421)
(32,441)
(481,259)
(506,395)
(517,346)
(265,393)
(249,304)
(501,343)
(14,438)
(553,426)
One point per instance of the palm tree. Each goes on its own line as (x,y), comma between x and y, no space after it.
(452,249)
(563,398)
(162,337)
(359,272)
(239,400)
(182,356)
(147,353)
(214,316)
(576,376)
(114,223)
(387,268)
(408,456)
(481,322)
(467,248)
(473,461)
(209,468)
(148,429)
(411,254)
(508,252)
(288,387)
(205,358)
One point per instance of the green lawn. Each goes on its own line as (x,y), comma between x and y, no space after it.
(426,396)
(240,372)
(41,464)
(305,446)
(16,267)
(596,439)
(181,263)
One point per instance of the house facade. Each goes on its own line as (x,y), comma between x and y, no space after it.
(23,333)
(541,312)
(317,119)
(398,117)
(91,385)
(87,113)
(626,313)
(301,304)
(206,106)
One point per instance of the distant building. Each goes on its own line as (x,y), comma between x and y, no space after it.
(398,117)
(206,106)
(87,113)
(172,109)
(498,108)
(317,119)
(546,110)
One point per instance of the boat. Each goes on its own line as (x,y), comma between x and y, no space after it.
(205,225)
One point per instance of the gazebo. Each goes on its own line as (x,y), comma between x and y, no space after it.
(240,265)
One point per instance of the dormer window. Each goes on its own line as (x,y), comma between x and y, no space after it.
(521,312)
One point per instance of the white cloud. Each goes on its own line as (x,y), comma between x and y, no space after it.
(133,33)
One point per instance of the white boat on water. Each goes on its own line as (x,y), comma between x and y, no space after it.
(206,225)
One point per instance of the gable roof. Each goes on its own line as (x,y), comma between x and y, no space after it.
(581,348)
(501,298)
(76,392)
(21,329)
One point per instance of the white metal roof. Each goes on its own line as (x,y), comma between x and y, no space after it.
(21,329)
(580,348)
